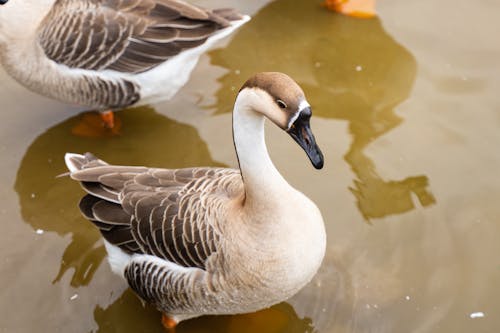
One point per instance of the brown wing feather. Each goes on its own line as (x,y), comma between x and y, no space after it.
(166,213)
(126,35)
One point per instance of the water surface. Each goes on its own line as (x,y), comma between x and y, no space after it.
(406,111)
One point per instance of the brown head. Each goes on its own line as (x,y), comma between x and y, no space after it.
(283,102)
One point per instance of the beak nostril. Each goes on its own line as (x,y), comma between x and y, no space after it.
(305,136)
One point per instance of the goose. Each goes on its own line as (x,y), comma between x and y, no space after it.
(107,54)
(203,240)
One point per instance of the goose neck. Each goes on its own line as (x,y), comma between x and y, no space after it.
(261,178)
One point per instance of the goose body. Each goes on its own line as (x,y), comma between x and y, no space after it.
(200,241)
(107,54)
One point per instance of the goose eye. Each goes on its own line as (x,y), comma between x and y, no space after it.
(281,104)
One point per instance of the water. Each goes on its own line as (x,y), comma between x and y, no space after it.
(406,111)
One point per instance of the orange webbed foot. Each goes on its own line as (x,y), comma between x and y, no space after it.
(354,8)
(168,322)
(97,125)
(108,118)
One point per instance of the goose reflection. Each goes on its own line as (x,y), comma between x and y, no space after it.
(49,203)
(352,69)
(127,314)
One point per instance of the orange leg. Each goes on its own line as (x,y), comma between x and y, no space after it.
(168,322)
(108,118)
(354,8)
(97,125)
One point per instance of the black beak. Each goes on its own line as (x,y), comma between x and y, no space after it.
(301,132)
(3,2)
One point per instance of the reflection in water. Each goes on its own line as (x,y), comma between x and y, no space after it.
(329,299)
(127,314)
(50,203)
(350,70)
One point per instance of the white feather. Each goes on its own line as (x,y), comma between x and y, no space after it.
(303,104)
(117,258)
(69,163)
(165,80)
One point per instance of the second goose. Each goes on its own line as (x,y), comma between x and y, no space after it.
(108,54)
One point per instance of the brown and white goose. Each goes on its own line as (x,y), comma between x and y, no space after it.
(206,240)
(107,54)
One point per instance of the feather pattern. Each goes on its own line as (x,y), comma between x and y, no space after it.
(155,280)
(108,54)
(165,213)
(124,35)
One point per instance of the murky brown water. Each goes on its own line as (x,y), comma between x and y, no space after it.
(407,114)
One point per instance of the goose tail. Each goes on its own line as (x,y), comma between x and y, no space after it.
(230,14)
(229,17)
(77,162)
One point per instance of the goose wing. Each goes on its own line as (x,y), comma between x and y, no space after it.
(126,35)
(171,214)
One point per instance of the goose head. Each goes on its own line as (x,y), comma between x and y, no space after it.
(280,99)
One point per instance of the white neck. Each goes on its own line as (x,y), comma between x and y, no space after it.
(263,182)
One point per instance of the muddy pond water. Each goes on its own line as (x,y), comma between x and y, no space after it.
(407,112)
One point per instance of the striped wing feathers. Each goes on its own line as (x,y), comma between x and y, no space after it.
(172,214)
(126,35)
